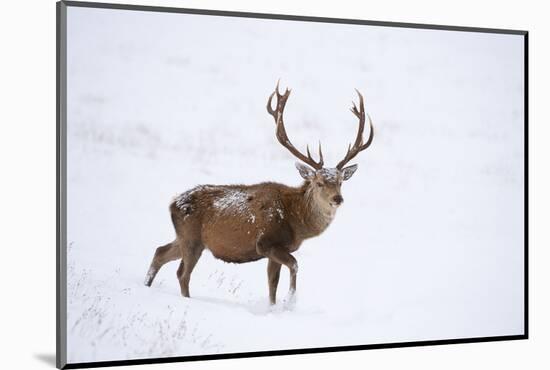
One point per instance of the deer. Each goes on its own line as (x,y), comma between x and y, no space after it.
(246,223)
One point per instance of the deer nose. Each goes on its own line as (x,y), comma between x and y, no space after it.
(337,199)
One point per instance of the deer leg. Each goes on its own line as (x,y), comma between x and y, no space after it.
(273,272)
(281,256)
(191,256)
(163,255)
(285,258)
(179,273)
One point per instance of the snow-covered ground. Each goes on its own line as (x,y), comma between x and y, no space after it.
(428,244)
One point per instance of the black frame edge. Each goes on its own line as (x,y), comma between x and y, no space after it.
(526,184)
(61,160)
(288,17)
(291,352)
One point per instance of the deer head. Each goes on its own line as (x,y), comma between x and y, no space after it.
(324,184)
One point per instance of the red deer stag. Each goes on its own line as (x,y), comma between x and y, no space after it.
(244,223)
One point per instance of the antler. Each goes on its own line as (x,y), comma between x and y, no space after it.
(281,131)
(358,145)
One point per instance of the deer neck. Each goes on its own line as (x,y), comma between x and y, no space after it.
(313,218)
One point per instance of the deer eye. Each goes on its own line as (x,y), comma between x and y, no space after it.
(320,184)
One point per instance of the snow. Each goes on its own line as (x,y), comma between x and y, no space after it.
(184,199)
(233,201)
(428,245)
(331,175)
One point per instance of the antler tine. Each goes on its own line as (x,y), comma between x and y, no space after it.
(281,131)
(358,145)
(371,135)
(269,107)
(307,151)
(321,162)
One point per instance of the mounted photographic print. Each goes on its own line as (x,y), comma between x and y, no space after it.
(237,184)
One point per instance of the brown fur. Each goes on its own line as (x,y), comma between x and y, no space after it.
(240,223)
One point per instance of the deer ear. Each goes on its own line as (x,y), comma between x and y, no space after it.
(306,172)
(347,172)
